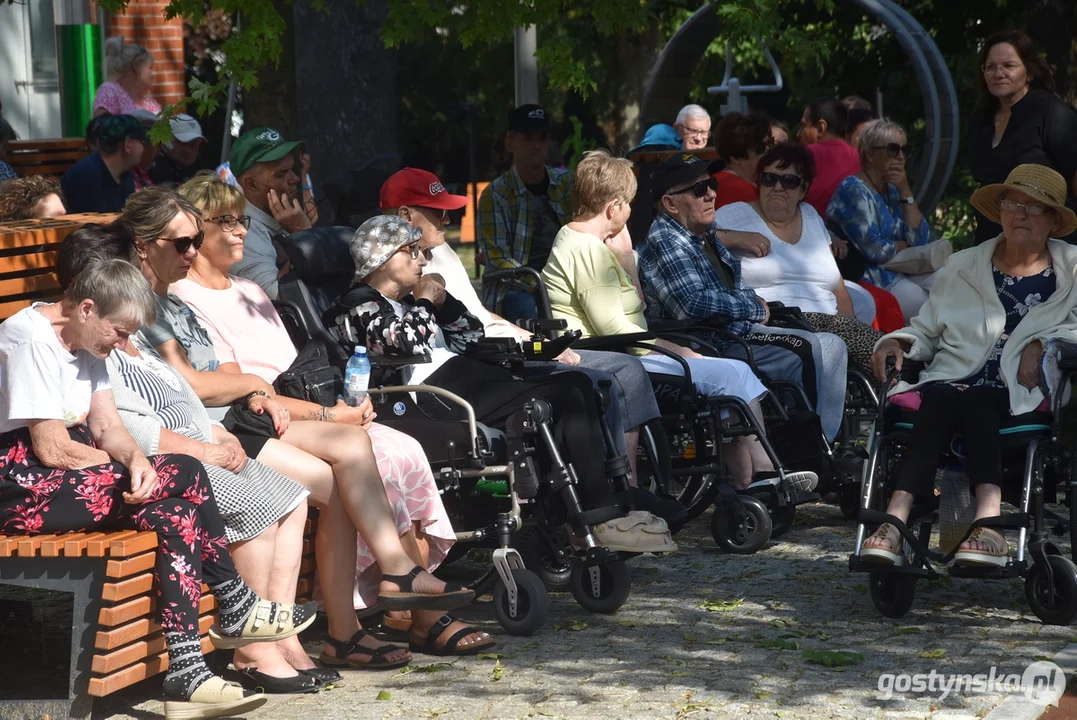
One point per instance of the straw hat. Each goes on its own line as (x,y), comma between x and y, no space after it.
(1040,183)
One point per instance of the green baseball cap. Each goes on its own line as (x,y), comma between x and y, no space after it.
(256,146)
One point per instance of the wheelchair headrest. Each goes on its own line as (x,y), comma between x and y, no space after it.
(321,252)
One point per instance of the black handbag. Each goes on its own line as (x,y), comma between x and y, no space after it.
(241,420)
(311,377)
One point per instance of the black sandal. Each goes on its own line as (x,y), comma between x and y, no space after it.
(430,645)
(297,685)
(378,656)
(454,595)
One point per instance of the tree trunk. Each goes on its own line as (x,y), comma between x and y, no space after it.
(1051,24)
(636,55)
(272,102)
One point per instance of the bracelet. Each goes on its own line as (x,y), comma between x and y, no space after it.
(323,414)
(248,396)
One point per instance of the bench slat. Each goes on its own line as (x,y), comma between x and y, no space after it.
(52,545)
(139,584)
(98,547)
(152,645)
(75,546)
(144,605)
(130,566)
(44,261)
(68,143)
(33,283)
(28,545)
(99,687)
(140,542)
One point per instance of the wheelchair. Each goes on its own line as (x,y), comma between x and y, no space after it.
(494,482)
(1033,454)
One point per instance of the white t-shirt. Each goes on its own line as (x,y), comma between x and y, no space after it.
(447,263)
(801,275)
(39,379)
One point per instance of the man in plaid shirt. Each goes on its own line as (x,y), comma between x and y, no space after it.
(686,273)
(521,211)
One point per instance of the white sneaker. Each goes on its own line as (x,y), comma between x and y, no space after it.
(634,534)
(650,519)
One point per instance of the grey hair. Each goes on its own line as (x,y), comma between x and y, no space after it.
(878,132)
(118,290)
(121,57)
(692,111)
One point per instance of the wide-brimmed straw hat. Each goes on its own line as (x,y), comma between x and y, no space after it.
(1040,183)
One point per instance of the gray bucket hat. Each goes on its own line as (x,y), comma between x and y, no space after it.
(377,239)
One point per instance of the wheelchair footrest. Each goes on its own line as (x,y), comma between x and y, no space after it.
(1013,570)
(857,564)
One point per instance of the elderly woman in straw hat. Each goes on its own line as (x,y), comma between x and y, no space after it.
(982,333)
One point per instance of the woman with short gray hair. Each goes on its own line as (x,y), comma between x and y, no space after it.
(875,210)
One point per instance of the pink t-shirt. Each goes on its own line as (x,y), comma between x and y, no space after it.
(835,160)
(243,324)
(112,98)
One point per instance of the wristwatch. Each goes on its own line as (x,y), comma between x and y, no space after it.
(909,200)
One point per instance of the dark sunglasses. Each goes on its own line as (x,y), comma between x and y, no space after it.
(698,189)
(415,251)
(228,223)
(184,244)
(893,149)
(789,182)
(441,214)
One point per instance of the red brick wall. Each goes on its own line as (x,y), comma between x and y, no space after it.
(144,23)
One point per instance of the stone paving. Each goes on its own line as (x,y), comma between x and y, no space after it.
(706,634)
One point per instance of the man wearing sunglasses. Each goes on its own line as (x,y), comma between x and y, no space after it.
(264,166)
(687,274)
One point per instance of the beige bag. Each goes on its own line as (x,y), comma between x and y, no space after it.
(920,259)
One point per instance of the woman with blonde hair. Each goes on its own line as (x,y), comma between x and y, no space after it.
(129,71)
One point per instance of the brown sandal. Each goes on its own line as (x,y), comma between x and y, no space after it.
(379,657)
(888,554)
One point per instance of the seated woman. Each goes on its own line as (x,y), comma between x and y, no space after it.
(34,197)
(981,333)
(334,461)
(249,337)
(395,311)
(69,465)
(799,270)
(876,211)
(592,282)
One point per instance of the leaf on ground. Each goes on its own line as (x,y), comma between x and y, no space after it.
(717,641)
(721,605)
(780,623)
(912,630)
(680,674)
(689,637)
(933,654)
(860,588)
(779,644)
(543,713)
(498,671)
(627,623)
(832,658)
(490,656)
(574,626)
(529,645)
(384,695)
(762,695)
(432,668)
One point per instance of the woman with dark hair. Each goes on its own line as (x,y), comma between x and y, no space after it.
(822,130)
(740,140)
(1020,119)
(800,270)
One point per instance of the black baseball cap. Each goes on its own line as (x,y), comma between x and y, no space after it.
(529,119)
(681,168)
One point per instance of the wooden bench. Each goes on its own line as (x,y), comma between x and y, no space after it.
(115,641)
(46,157)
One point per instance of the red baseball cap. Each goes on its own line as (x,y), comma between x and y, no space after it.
(418,188)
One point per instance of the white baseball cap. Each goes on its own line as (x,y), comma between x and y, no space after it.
(185,128)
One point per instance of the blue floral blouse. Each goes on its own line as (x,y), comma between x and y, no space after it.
(874,224)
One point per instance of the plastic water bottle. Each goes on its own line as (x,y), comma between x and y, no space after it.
(357,377)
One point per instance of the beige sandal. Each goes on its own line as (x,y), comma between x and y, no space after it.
(268,622)
(214,698)
(997,552)
(888,554)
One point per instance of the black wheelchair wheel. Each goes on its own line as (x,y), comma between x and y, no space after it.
(892,593)
(607,593)
(540,559)
(741,534)
(1054,603)
(782,518)
(696,491)
(532,604)
(849,500)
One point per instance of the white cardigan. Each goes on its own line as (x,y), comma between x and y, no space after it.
(963,318)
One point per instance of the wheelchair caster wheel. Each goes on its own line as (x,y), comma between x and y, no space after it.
(782,518)
(892,593)
(744,532)
(601,588)
(532,604)
(1051,590)
(849,500)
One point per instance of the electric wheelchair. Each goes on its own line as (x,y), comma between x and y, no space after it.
(495,483)
(1034,458)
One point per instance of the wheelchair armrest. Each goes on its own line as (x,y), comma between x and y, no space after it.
(383,361)
(714,322)
(615,342)
(516,273)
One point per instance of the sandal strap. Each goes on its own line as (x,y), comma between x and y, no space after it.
(441,625)
(344,648)
(454,640)
(404,581)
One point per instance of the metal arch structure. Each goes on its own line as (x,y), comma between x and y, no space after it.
(668,83)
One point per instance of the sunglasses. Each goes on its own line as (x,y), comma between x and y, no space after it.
(184,244)
(441,218)
(789,182)
(893,149)
(698,189)
(228,223)
(415,251)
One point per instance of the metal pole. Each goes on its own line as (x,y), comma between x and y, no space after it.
(879,102)
(80,54)
(527,89)
(229,108)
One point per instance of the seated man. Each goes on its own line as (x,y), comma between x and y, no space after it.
(686,273)
(177,162)
(264,167)
(520,212)
(102,181)
(693,126)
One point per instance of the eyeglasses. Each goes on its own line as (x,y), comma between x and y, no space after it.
(698,189)
(228,223)
(789,182)
(1031,209)
(689,132)
(184,244)
(444,213)
(893,149)
(415,251)
(1007,68)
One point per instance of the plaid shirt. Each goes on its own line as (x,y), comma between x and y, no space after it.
(506,222)
(6,172)
(679,282)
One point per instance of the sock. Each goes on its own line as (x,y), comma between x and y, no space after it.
(235,602)
(187,667)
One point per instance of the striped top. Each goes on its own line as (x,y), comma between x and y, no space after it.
(160,386)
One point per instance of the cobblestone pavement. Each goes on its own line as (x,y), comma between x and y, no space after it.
(706,634)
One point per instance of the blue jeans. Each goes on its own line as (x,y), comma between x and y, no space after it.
(517,305)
